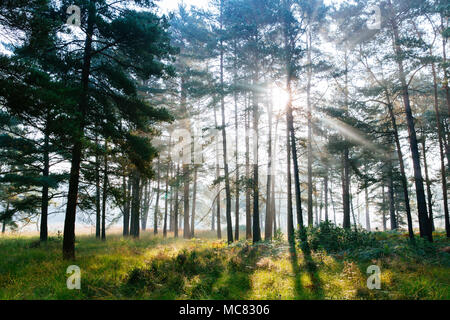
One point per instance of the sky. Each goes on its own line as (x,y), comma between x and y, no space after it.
(171,5)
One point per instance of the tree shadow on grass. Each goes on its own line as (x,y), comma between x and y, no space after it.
(311,269)
(197,274)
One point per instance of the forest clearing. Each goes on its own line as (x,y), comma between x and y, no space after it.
(205,269)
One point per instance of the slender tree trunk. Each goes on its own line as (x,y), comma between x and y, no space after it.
(171,209)
(402,168)
(219,224)
(269,219)
(105,191)
(325,186)
(126,209)
(4,221)
(145,206)
(366,194)
(186,169)
(156,214)
(427,181)
(443,148)
(345,188)
(290,214)
(275,159)
(224,137)
(384,208)
(332,202)
(392,216)
(45,199)
(309,117)
(248,211)
(135,204)
(447,95)
(97,192)
(166,201)
(236,210)
(77,150)
(256,222)
(321,203)
(194,202)
(175,218)
(424,222)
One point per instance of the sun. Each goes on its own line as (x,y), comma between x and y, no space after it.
(280,99)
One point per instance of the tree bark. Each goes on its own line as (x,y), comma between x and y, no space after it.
(224,137)
(194,202)
(236,210)
(105,191)
(45,192)
(175,218)
(97,192)
(219,224)
(269,219)
(155,216)
(77,150)
(309,117)
(424,222)
(248,211)
(135,204)
(366,194)
(402,168)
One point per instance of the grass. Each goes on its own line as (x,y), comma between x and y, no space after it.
(156,268)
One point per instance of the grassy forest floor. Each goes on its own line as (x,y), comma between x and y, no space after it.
(156,268)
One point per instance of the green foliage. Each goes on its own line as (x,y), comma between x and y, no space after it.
(332,238)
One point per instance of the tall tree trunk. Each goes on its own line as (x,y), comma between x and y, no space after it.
(447,95)
(248,211)
(219,224)
(424,222)
(345,176)
(145,206)
(427,181)
(325,186)
(176,209)
(402,168)
(156,214)
(166,201)
(4,221)
(346,160)
(236,210)
(309,117)
(98,211)
(135,204)
(290,214)
(194,202)
(224,137)
(77,150)
(321,203)
(366,194)
(255,186)
(171,211)
(392,217)
(186,168)
(332,202)
(383,211)
(269,219)
(275,159)
(443,148)
(45,199)
(105,191)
